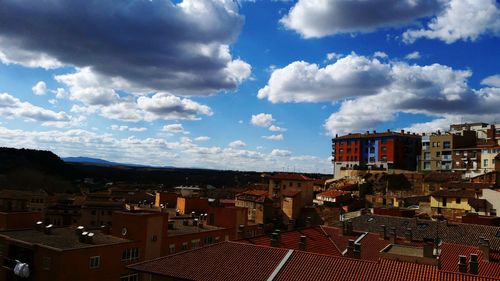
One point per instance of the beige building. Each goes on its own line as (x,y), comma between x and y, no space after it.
(258,204)
(437,149)
(488,162)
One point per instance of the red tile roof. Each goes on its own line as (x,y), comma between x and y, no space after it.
(291,192)
(317,241)
(449,259)
(221,261)
(404,271)
(306,266)
(333,193)
(290,177)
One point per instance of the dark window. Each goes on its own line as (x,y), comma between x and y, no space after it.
(444,201)
(95,262)
(383,148)
(458,201)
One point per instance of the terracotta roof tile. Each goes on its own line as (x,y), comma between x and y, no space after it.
(451,252)
(333,193)
(218,262)
(317,241)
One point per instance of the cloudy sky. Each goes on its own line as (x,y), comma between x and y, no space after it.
(249,85)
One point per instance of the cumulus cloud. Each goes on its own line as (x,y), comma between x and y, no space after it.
(174,128)
(280,152)
(202,138)
(434,90)
(262,120)
(124,128)
(301,81)
(319,18)
(275,128)
(167,106)
(465,20)
(273,137)
(413,56)
(181,47)
(237,143)
(40,88)
(492,81)
(12,107)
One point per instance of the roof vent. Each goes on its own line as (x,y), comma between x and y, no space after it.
(303,243)
(79,230)
(39,225)
(48,229)
(462,264)
(473,264)
(90,238)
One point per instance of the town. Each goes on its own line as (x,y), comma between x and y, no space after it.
(399,206)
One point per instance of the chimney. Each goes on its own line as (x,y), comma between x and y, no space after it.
(195,222)
(439,132)
(409,234)
(39,226)
(402,131)
(90,238)
(290,225)
(393,235)
(105,229)
(423,134)
(485,249)
(303,243)
(83,237)
(274,240)
(383,233)
(48,229)
(241,231)
(429,250)
(357,250)
(79,229)
(185,222)
(349,228)
(462,264)
(473,264)
(308,222)
(374,131)
(388,130)
(350,246)
(278,235)
(367,132)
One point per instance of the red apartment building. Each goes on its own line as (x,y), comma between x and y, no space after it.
(387,150)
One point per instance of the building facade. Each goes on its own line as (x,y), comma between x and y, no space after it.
(437,149)
(376,151)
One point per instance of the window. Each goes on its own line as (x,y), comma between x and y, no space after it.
(436,144)
(208,240)
(372,159)
(446,144)
(438,153)
(299,184)
(485,162)
(457,153)
(130,277)
(130,254)
(427,156)
(383,158)
(427,165)
(46,261)
(95,262)
(185,246)
(290,184)
(444,201)
(457,200)
(383,148)
(171,249)
(195,243)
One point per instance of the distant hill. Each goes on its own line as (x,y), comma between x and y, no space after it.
(90,160)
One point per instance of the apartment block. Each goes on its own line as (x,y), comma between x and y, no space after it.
(375,151)
(437,149)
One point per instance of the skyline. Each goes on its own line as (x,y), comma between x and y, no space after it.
(249,85)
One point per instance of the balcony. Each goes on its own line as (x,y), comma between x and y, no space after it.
(446,157)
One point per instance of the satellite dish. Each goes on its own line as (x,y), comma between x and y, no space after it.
(124,231)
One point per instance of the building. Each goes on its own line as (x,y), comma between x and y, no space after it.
(12,200)
(489,156)
(454,203)
(467,161)
(97,209)
(65,254)
(167,199)
(19,220)
(437,149)
(259,206)
(333,198)
(376,151)
(187,205)
(492,196)
(290,193)
(484,131)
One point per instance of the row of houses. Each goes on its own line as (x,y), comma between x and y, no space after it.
(472,149)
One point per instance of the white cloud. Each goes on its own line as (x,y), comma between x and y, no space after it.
(350,76)
(319,18)
(273,137)
(332,56)
(174,128)
(40,88)
(167,106)
(274,128)
(237,143)
(202,138)
(262,120)
(465,20)
(413,56)
(379,54)
(492,81)
(52,101)
(240,122)
(372,93)
(195,60)
(123,128)
(12,107)
(281,153)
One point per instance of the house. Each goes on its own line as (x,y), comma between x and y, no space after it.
(333,197)
(257,203)
(437,149)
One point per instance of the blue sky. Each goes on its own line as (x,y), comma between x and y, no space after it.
(249,85)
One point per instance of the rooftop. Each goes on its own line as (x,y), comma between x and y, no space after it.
(61,238)
(333,193)
(378,135)
(290,177)
(181,229)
